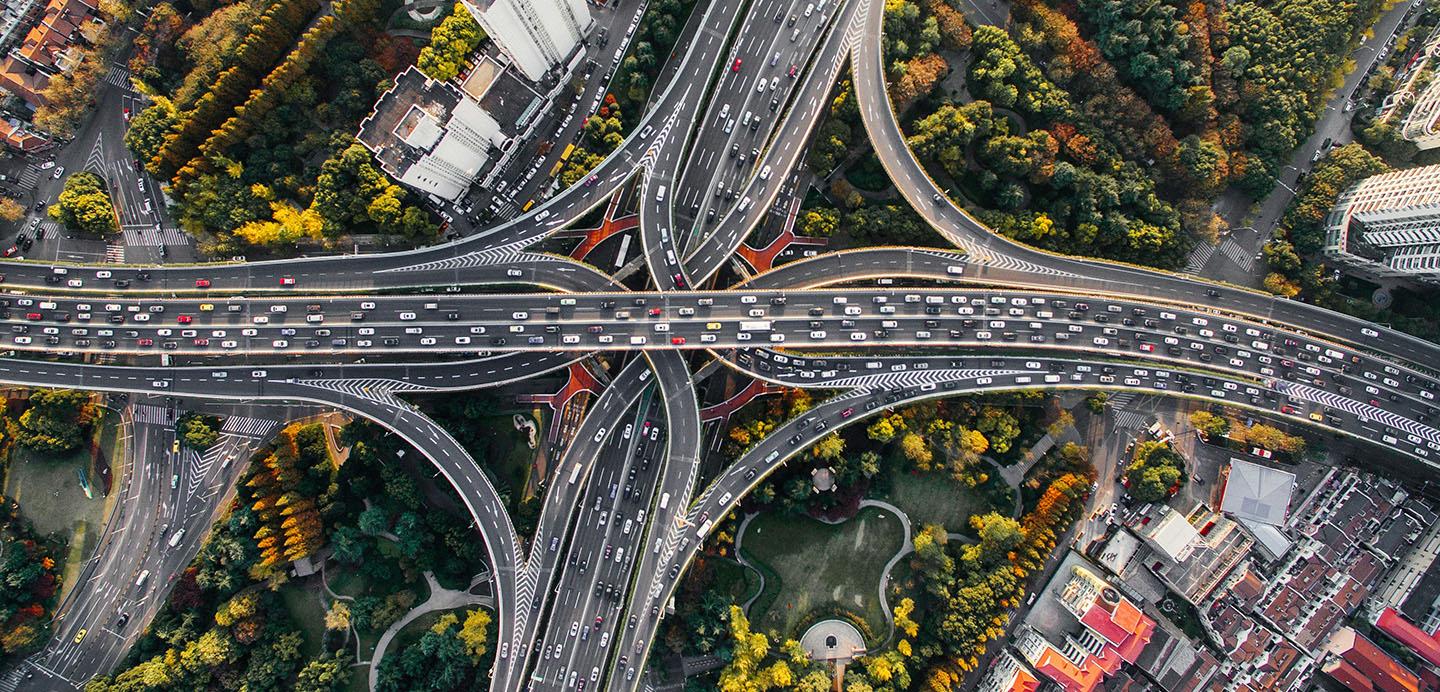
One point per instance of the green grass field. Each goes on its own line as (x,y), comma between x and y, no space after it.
(302,600)
(933,498)
(820,565)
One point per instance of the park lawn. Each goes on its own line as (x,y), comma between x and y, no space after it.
(820,565)
(509,455)
(935,498)
(302,600)
(50,494)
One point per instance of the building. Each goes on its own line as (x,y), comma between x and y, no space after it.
(1388,225)
(1191,554)
(537,35)
(436,137)
(1008,674)
(1421,643)
(1358,664)
(1257,493)
(53,45)
(1104,632)
(15,15)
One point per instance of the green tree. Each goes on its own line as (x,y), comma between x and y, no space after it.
(1209,424)
(56,420)
(451,43)
(328,673)
(84,205)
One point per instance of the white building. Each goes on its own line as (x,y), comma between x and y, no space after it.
(537,35)
(1389,225)
(430,135)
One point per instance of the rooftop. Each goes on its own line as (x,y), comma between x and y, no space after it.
(1257,493)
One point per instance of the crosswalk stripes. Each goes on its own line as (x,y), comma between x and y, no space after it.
(148,235)
(247,427)
(1199,257)
(12,679)
(1121,400)
(118,76)
(1237,254)
(115,253)
(147,413)
(28,177)
(1130,420)
(49,227)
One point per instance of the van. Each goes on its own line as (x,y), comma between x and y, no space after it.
(175,539)
(744,204)
(140,580)
(637,341)
(809,9)
(765,173)
(660,195)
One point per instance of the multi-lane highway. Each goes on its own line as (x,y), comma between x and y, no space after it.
(579,602)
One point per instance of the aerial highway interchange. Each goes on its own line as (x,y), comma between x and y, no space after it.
(580,601)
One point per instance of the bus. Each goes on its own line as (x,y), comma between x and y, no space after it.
(565,155)
(527,206)
(575,475)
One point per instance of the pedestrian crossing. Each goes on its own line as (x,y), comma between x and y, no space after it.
(118,76)
(1199,257)
(148,235)
(1130,420)
(1237,254)
(28,177)
(247,427)
(115,253)
(151,414)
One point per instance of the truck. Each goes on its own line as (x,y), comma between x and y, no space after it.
(755,325)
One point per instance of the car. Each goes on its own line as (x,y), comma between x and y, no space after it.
(202,283)
(60,172)
(848,412)
(184,319)
(74,283)
(79,636)
(793,70)
(735,67)
(677,341)
(287,281)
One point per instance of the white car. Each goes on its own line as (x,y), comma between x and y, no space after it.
(74,283)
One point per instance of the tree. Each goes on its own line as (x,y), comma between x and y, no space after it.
(829,447)
(56,421)
(328,673)
(474,633)
(198,432)
(1154,471)
(1209,424)
(451,43)
(84,205)
(917,450)
(338,616)
(11,210)
(903,609)
(1270,437)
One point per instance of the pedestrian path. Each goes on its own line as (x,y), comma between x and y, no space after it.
(247,427)
(148,413)
(118,76)
(1237,254)
(148,235)
(1199,257)
(28,177)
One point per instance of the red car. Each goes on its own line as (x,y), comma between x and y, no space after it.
(202,283)
(735,67)
(847,412)
(677,341)
(1148,348)
(202,341)
(146,342)
(32,316)
(287,281)
(793,70)
(10,251)
(654,312)
(185,319)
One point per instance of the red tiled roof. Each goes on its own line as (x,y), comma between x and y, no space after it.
(1347,675)
(1380,669)
(1405,632)
(24,81)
